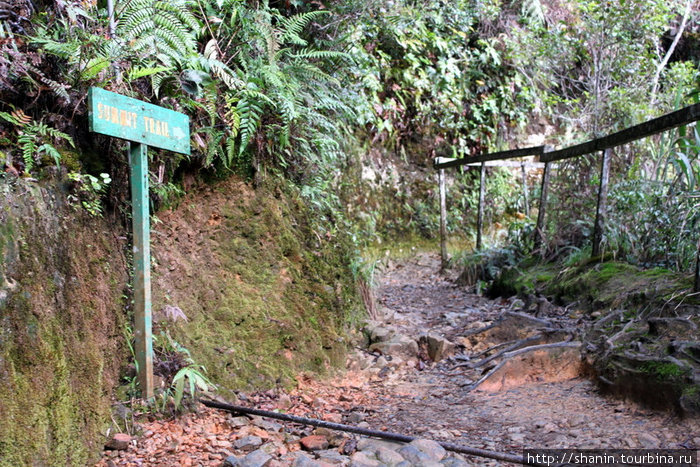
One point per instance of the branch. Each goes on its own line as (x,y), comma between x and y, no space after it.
(669,52)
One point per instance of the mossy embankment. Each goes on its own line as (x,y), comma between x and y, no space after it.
(641,326)
(266,294)
(62,279)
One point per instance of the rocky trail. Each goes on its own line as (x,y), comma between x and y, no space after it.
(415,374)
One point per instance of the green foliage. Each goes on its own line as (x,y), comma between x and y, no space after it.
(88,191)
(35,139)
(425,72)
(194,376)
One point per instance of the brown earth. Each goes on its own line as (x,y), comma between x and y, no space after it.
(426,399)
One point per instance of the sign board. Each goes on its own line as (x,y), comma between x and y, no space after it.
(143,125)
(112,114)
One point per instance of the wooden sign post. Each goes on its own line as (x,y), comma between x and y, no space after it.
(143,125)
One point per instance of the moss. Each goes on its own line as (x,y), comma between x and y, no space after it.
(664,371)
(269,297)
(59,350)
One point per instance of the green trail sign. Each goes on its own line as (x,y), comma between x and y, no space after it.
(143,125)
(134,120)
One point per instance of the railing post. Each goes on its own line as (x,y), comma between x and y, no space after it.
(526,193)
(539,229)
(480,216)
(443,220)
(696,287)
(601,209)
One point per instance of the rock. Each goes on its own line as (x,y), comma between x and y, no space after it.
(372,445)
(267,425)
(388,456)
(438,347)
(414,455)
(237,422)
(331,456)
(118,442)
(284,401)
(333,417)
(431,448)
(247,443)
(364,459)
(355,417)
(550,428)
(302,460)
(381,362)
(314,443)
(648,441)
(454,462)
(398,345)
(231,461)
(257,458)
(380,334)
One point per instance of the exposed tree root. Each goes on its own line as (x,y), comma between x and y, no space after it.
(509,355)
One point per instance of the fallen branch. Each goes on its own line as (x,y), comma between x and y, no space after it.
(366,432)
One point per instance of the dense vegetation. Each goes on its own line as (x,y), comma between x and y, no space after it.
(306,89)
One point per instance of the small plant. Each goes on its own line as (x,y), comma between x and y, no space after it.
(35,138)
(196,379)
(88,191)
(174,360)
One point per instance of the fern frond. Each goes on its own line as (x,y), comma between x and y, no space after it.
(250,111)
(51,151)
(141,72)
(533,10)
(293,26)
(28,147)
(320,54)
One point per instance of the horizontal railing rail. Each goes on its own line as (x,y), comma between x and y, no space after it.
(547,155)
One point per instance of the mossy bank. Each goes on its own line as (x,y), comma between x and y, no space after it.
(266,291)
(642,334)
(62,281)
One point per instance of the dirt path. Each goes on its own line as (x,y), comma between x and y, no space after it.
(435,402)
(413,396)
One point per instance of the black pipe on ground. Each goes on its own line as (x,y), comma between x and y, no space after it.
(366,432)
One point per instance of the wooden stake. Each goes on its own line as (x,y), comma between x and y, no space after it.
(601,210)
(696,288)
(138,164)
(443,220)
(526,193)
(480,216)
(539,230)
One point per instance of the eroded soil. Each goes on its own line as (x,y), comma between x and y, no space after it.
(422,398)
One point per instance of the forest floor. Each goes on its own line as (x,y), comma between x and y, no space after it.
(414,396)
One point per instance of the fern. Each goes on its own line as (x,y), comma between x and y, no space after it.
(32,138)
(250,112)
(293,26)
(533,10)
(164,29)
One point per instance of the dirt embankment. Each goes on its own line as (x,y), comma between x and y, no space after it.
(266,293)
(63,276)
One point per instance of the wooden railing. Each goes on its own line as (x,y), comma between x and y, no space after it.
(548,155)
